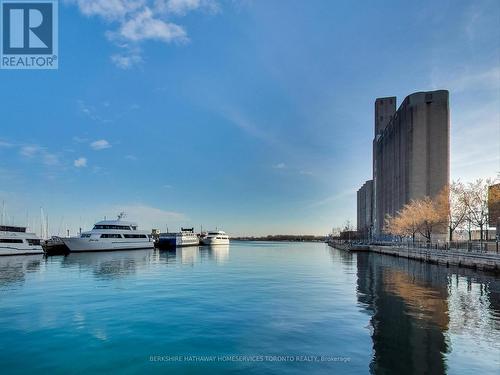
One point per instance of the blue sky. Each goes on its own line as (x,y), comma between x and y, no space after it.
(253,116)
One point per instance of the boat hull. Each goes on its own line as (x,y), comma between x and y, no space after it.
(12,250)
(177,242)
(85,244)
(214,241)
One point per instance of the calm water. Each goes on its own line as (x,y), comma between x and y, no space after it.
(282,308)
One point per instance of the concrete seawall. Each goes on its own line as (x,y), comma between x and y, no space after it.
(481,261)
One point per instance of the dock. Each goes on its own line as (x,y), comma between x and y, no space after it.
(484,261)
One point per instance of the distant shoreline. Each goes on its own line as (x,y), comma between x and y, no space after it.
(283,238)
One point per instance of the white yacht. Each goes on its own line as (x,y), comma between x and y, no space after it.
(15,241)
(110,235)
(215,238)
(186,237)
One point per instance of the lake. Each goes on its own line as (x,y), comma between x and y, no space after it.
(251,307)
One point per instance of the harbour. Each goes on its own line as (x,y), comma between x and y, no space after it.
(250,187)
(255,307)
(106,235)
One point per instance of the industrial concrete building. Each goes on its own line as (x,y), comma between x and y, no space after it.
(411,153)
(365,209)
(494,208)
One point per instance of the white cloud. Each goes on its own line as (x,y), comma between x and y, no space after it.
(145,25)
(181,7)
(247,125)
(460,81)
(29,151)
(91,112)
(126,61)
(101,144)
(279,166)
(80,162)
(134,21)
(110,10)
(131,157)
(41,154)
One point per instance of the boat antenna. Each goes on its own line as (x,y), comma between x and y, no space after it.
(121,215)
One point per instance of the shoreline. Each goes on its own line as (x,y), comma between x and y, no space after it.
(479,261)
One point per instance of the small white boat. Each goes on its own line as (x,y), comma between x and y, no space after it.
(110,235)
(186,237)
(15,241)
(215,238)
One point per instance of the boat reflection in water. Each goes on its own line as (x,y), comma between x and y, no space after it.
(418,310)
(112,264)
(188,255)
(195,254)
(220,253)
(14,268)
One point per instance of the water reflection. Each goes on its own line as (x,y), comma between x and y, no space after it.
(110,264)
(187,255)
(220,253)
(13,269)
(167,256)
(195,254)
(417,310)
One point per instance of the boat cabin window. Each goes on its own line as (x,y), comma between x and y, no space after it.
(6,228)
(33,242)
(134,227)
(120,227)
(134,236)
(10,240)
(111,235)
(85,235)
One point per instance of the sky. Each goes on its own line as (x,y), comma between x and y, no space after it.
(255,117)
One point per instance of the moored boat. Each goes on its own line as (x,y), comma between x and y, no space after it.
(186,237)
(55,246)
(14,240)
(108,235)
(215,238)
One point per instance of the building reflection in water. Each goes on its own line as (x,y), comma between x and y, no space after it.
(13,268)
(415,307)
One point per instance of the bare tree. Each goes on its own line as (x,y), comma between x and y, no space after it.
(457,208)
(475,198)
(405,223)
(425,216)
(348,226)
(432,215)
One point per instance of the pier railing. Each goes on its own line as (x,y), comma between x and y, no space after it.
(460,246)
(484,247)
